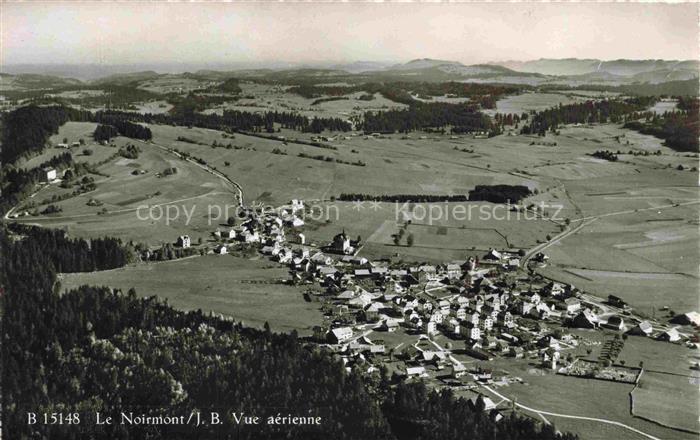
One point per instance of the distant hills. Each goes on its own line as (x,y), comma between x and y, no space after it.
(652,71)
(557,72)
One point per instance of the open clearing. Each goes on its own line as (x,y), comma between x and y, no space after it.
(238,287)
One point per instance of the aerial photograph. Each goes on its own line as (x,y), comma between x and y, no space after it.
(349,220)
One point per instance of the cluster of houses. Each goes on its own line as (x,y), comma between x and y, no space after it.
(470,300)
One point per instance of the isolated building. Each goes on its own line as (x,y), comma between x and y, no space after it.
(50,174)
(184,241)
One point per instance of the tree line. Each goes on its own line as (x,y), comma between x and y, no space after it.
(112,127)
(402,198)
(679,129)
(588,112)
(95,349)
(234,120)
(73,254)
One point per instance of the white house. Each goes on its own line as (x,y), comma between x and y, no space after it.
(415,371)
(50,174)
(221,250)
(573,305)
(296,205)
(184,241)
(250,237)
(470,331)
(453,271)
(340,335)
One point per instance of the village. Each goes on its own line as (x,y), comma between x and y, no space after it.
(443,323)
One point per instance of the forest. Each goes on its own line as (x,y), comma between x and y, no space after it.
(93,349)
(499,193)
(680,129)
(419,116)
(122,127)
(401,92)
(26,130)
(588,112)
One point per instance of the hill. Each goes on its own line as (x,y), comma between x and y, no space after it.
(617,68)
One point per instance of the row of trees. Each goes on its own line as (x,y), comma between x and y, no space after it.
(403,198)
(499,193)
(93,349)
(234,120)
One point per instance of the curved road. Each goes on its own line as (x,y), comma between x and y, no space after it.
(206,168)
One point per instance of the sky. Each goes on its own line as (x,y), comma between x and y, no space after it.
(258,33)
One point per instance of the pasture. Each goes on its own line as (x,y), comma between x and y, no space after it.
(546,391)
(441,231)
(241,288)
(527,102)
(671,400)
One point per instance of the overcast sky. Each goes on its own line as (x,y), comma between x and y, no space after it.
(137,33)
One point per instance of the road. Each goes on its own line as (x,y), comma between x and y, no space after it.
(237,187)
(590,219)
(542,415)
(206,168)
(557,238)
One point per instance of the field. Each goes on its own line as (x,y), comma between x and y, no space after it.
(635,242)
(442,231)
(232,286)
(546,391)
(667,399)
(526,102)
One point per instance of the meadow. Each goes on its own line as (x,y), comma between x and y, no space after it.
(244,289)
(633,250)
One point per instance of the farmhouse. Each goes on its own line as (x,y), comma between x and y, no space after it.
(487,403)
(49,174)
(616,301)
(585,319)
(644,328)
(221,250)
(415,371)
(615,322)
(573,305)
(690,318)
(493,255)
(183,241)
(671,335)
(340,335)
(458,370)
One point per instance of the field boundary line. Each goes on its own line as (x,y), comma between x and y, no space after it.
(569,416)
